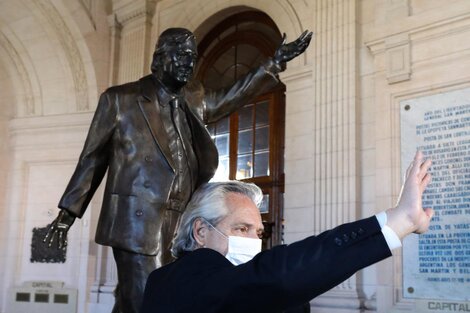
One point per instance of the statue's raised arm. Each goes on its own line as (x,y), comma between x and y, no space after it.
(217,104)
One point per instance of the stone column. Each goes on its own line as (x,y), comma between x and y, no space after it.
(335,161)
(131,25)
(114,58)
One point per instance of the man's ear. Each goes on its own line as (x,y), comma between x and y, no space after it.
(200,231)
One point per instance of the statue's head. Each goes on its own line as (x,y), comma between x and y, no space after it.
(175,57)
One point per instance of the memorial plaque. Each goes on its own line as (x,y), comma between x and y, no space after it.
(436,265)
(41,253)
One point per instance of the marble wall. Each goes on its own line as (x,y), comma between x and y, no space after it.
(342,154)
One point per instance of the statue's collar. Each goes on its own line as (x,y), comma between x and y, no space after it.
(163,94)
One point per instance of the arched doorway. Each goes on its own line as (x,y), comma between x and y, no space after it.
(250,141)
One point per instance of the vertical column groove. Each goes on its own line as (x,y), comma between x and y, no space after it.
(335,171)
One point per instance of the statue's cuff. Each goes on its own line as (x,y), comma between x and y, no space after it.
(272,67)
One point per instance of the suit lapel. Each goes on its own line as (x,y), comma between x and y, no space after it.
(151,111)
(204,147)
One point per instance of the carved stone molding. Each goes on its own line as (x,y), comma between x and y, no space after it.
(128,11)
(87,6)
(423,29)
(71,51)
(84,12)
(116,29)
(338,300)
(41,128)
(398,58)
(23,73)
(136,15)
(297,78)
(132,23)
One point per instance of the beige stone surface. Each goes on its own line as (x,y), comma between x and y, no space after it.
(342,119)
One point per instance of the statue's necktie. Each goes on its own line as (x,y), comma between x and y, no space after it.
(176,116)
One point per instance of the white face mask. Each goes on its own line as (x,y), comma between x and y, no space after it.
(240,249)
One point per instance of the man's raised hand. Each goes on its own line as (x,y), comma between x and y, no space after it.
(409,216)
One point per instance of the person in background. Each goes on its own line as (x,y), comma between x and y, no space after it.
(220,267)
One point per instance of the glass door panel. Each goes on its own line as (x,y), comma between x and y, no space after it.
(244,166)
(220,133)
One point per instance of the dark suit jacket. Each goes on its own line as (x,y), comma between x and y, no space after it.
(127,138)
(203,281)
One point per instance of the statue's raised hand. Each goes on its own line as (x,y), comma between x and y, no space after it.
(287,51)
(60,226)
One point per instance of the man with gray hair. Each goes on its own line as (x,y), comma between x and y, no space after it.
(210,205)
(220,269)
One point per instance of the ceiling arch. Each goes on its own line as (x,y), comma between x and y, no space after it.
(47,51)
(16,62)
(200,16)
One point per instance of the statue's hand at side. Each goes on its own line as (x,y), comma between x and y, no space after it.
(288,51)
(60,226)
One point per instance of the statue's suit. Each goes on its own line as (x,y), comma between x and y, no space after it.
(127,138)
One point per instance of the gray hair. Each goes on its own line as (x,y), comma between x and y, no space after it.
(209,204)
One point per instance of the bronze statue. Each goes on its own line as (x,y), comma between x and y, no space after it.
(150,137)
